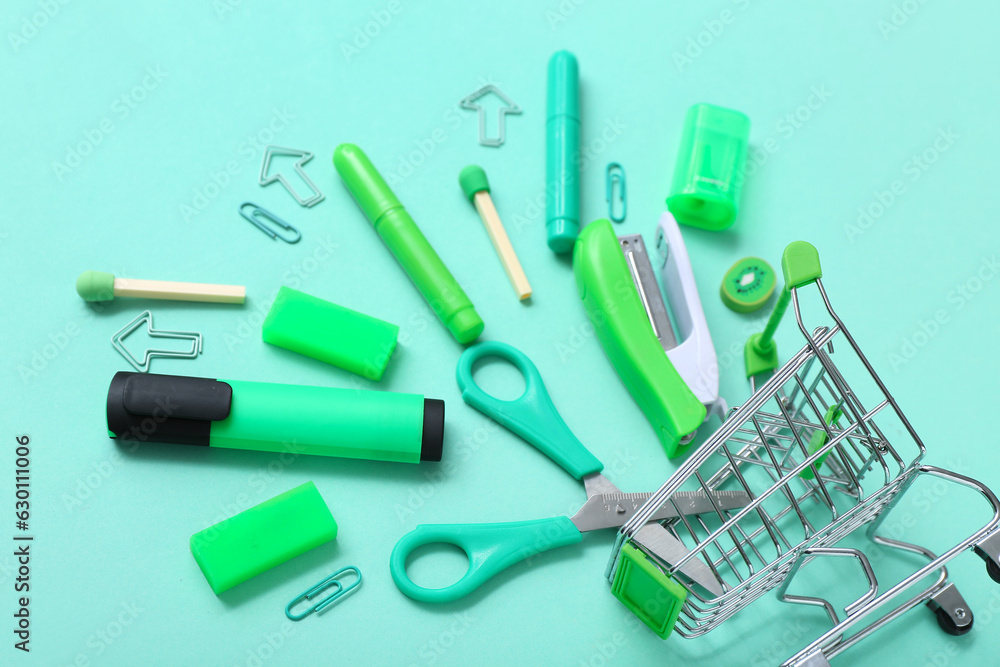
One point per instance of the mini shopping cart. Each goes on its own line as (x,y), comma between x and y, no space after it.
(812,448)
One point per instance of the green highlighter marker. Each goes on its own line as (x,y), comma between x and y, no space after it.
(264,417)
(407,243)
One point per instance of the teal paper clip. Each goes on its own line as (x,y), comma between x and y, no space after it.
(333,581)
(261,218)
(616,174)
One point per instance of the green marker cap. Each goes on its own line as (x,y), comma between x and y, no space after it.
(96,286)
(322,330)
(473,180)
(370,190)
(266,535)
(708,175)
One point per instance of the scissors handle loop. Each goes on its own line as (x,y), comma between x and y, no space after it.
(532,416)
(491,548)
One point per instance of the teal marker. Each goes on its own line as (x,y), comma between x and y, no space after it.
(407,243)
(562,153)
(265,417)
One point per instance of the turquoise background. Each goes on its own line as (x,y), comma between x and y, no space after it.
(173,155)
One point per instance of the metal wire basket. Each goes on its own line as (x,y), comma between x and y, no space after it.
(812,448)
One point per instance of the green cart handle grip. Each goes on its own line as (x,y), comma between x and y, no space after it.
(532,416)
(615,309)
(491,548)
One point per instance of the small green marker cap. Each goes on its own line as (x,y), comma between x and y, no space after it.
(748,284)
(473,180)
(266,535)
(708,175)
(322,330)
(366,184)
(96,286)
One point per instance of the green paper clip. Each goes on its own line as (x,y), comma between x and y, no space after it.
(333,581)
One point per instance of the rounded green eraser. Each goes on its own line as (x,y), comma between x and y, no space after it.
(748,285)
(322,330)
(96,286)
(473,180)
(266,535)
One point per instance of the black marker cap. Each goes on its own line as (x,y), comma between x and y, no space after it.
(170,409)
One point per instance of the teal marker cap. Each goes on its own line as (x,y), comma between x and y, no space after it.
(709,175)
(562,151)
(564,86)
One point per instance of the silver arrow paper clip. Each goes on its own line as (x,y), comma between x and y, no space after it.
(304,156)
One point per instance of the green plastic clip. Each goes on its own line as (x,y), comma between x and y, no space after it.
(819,438)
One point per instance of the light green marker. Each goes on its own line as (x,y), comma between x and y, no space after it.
(407,243)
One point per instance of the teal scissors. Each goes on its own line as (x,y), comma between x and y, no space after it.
(493,547)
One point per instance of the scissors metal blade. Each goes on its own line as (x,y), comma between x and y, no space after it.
(668,548)
(615,509)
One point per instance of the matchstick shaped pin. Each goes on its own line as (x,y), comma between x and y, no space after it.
(100,286)
(477,189)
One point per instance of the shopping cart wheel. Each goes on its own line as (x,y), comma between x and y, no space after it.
(948,624)
(993,570)
(953,613)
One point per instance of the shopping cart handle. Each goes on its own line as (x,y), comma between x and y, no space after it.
(800,264)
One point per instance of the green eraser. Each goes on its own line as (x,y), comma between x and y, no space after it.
(322,330)
(747,285)
(473,180)
(266,535)
(96,286)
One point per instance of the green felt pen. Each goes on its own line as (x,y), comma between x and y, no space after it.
(321,421)
(407,243)
(562,153)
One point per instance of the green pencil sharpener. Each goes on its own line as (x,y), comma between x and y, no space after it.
(709,175)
